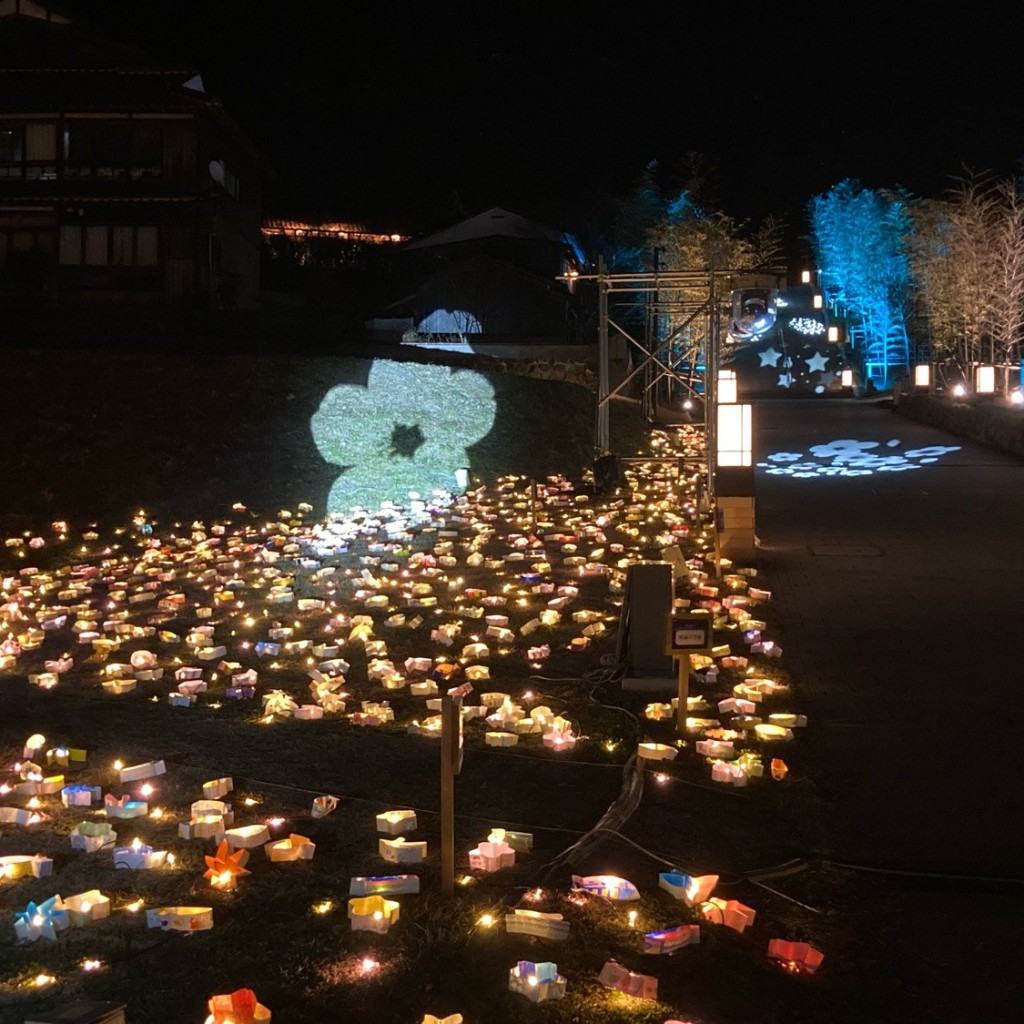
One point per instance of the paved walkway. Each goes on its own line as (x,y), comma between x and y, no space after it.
(899,609)
(899,602)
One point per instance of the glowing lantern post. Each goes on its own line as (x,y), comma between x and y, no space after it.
(985,380)
(846,379)
(734,481)
(922,376)
(727,387)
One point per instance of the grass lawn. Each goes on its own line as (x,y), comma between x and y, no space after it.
(284,931)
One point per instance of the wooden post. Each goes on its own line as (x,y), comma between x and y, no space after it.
(447,796)
(683,693)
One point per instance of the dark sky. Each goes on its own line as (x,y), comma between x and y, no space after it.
(388,111)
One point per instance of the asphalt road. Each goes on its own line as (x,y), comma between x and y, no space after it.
(899,610)
(897,602)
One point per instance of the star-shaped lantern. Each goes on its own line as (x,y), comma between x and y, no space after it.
(41,921)
(225,866)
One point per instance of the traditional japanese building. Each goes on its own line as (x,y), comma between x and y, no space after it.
(120,182)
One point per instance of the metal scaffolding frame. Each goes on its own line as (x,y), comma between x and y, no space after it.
(693,369)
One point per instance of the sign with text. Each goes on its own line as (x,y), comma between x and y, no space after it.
(689,632)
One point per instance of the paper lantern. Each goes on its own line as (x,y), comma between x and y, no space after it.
(672,938)
(41,921)
(394,823)
(87,907)
(139,857)
(384,885)
(492,857)
(640,986)
(399,851)
(124,807)
(180,919)
(796,956)
(533,922)
(18,865)
(295,847)
(688,888)
(372,913)
(731,913)
(610,887)
(90,836)
(225,866)
(239,1007)
(537,981)
(247,836)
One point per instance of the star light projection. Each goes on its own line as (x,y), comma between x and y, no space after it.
(849,458)
(405,432)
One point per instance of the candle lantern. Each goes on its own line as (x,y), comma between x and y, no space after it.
(372,913)
(537,981)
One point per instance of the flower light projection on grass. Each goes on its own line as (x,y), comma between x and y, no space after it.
(406,431)
(849,458)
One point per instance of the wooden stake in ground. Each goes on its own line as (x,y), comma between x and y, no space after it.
(451,765)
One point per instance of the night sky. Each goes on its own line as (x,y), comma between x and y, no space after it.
(402,114)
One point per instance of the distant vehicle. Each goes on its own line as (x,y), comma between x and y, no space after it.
(753,313)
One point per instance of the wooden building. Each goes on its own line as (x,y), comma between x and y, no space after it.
(120,182)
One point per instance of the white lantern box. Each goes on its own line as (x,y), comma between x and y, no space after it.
(294,848)
(501,739)
(671,939)
(139,857)
(211,653)
(492,857)
(205,826)
(399,851)
(87,907)
(180,919)
(137,772)
(308,712)
(787,720)
(716,748)
(247,837)
(18,865)
(533,922)
(537,981)
(124,807)
(730,913)
(90,836)
(426,688)
(395,823)
(117,687)
(80,796)
(385,885)
(656,752)
(372,913)
(640,986)
(181,700)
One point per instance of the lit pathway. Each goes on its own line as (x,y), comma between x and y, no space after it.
(900,607)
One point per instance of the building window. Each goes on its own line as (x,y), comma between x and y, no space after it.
(41,151)
(97,245)
(146,247)
(70,245)
(112,150)
(12,152)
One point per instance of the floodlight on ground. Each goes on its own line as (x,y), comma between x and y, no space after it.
(985,380)
(1017,397)
(922,376)
(728,390)
(959,390)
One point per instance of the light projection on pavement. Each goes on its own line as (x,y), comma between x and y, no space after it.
(848,458)
(404,434)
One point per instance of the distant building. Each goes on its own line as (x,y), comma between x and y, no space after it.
(120,182)
(489,283)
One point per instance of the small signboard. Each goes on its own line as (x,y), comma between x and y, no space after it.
(689,632)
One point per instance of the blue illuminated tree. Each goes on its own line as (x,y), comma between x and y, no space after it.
(860,242)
